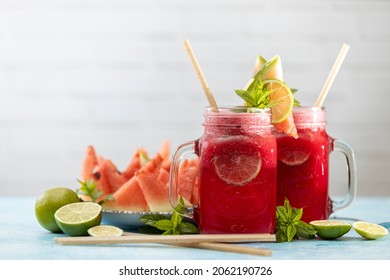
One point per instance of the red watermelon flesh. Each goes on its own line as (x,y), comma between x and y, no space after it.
(89,165)
(135,163)
(92,170)
(128,198)
(114,178)
(165,152)
(155,191)
(187,181)
(163,176)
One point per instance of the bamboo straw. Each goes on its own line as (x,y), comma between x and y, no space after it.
(332,75)
(231,248)
(223,247)
(187,239)
(191,241)
(199,73)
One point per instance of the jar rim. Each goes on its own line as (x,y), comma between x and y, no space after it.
(229,109)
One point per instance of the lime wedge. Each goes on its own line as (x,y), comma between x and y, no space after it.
(330,229)
(76,218)
(282,99)
(369,230)
(105,230)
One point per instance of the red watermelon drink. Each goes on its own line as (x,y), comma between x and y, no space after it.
(237,179)
(303,166)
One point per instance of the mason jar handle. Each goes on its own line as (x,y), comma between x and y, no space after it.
(340,146)
(179,155)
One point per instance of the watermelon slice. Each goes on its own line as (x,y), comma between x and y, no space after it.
(187,180)
(128,197)
(165,152)
(114,178)
(135,164)
(89,165)
(92,170)
(155,191)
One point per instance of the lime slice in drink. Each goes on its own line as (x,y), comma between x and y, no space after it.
(293,158)
(105,230)
(237,169)
(330,229)
(369,230)
(76,218)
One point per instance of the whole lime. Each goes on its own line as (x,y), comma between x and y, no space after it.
(49,202)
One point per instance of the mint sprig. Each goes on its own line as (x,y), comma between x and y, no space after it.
(289,224)
(256,96)
(172,226)
(88,188)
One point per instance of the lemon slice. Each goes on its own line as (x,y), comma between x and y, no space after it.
(105,230)
(369,230)
(281,98)
(76,218)
(330,229)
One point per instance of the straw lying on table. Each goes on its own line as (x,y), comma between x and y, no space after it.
(207,241)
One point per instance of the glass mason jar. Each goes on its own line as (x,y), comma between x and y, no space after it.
(303,166)
(237,172)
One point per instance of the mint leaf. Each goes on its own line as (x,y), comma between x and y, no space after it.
(88,188)
(189,228)
(297,215)
(289,224)
(164,224)
(257,95)
(305,230)
(151,219)
(174,225)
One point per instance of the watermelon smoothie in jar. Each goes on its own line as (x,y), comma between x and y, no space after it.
(237,174)
(303,166)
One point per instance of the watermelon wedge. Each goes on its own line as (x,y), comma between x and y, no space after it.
(165,152)
(187,180)
(89,165)
(114,178)
(128,197)
(135,164)
(155,191)
(91,169)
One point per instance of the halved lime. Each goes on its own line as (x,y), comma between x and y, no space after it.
(105,230)
(76,218)
(369,230)
(330,229)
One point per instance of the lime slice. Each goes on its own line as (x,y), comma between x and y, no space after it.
(281,98)
(105,230)
(330,229)
(76,218)
(293,158)
(369,230)
(237,169)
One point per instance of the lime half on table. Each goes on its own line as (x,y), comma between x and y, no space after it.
(76,218)
(369,230)
(330,229)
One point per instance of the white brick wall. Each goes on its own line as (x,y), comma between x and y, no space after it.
(114,74)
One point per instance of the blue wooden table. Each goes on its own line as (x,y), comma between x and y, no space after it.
(22,238)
